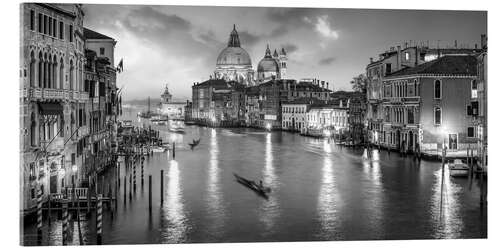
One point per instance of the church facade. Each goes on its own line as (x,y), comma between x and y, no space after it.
(234,64)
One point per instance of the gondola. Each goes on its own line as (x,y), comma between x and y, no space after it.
(257,188)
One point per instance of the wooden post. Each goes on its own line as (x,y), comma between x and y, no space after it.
(161,187)
(125,189)
(88,198)
(173,149)
(65,222)
(130,184)
(39,214)
(150,193)
(134,179)
(48,204)
(142,173)
(99,219)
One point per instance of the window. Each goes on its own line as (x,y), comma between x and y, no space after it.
(475,107)
(470,132)
(411,117)
(54,26)
(388,68)
(61,30)
(50,26)
(101,51)
(407,56)
(45,24)
(70,33)
(437,89)
(32,20)
(437,116)
(40,22)
(473,89)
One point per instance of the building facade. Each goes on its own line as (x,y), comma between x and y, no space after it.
(173,110)
(431,106)
(52,97)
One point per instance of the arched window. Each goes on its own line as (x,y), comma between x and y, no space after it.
(45,76)
(54,72)
(40,70)
(61,74)
(71,74)
(32,69)
(33,130)
(437,89)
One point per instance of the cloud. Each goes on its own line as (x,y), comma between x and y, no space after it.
(324,28)
(289,48)
(326,60)
(248,38)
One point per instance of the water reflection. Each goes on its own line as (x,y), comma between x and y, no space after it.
(175,222)
(270,207)
(214,198)
(445,208)
(328,200)
(373,192)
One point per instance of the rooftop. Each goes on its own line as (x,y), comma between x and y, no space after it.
(90,34)
(446,65)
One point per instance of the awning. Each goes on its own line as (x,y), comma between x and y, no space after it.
(51,108)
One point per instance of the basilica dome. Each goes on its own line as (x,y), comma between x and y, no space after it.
(234,56)
(268,67)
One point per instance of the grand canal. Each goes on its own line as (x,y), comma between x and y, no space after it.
(320,191)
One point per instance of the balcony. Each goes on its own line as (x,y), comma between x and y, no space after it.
(44,94)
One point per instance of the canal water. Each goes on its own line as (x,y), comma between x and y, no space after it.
(320,191)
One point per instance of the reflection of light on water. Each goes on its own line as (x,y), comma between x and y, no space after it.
(445,214)
(176,221)
(328,197)
(270,207)
(214,198)
(373,190)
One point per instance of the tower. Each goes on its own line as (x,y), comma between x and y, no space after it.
(166,97)
(282,63)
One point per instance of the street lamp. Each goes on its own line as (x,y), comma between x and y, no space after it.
(268,126)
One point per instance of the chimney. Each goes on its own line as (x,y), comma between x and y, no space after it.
(322,84)
(475,46)
(399,58)
(406,45)
(456,44)
(371,59)
(326,85)
(484,41)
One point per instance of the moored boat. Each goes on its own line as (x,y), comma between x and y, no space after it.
(458,168)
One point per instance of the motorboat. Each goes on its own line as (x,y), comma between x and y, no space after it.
(458,168)
(159,149)
(176,127)
(260,189)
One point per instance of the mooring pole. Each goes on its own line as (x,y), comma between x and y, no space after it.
(173,150)
(39,216)
(161,187)
(150,193)
(125,189)
(99,219)
(65,222)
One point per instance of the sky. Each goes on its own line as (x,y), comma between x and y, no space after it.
(179,45)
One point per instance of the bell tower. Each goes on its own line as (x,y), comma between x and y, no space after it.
(283,63)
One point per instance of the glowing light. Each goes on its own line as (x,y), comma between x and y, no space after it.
(268,126)
(74,168)
(327,133)
(213,119)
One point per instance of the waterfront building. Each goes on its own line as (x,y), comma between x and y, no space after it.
(482,97)
(213,102)
(390,61)
(327,120)
(52,97)
(100,82)
(431,105)
(170,108)
(294,115)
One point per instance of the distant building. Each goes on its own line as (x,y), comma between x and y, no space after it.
(294,115)
(431,105)
(174,110)
(326,120)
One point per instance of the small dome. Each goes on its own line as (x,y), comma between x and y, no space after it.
(268,65)
(234,56)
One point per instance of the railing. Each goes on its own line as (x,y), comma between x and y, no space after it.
(80,193)
(58,94)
